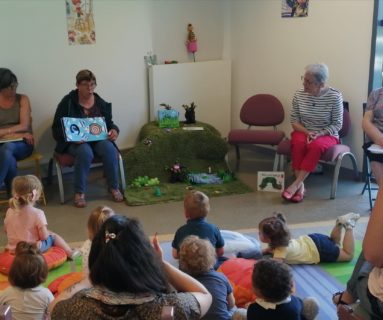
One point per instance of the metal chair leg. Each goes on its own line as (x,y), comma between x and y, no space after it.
(60,181)
(122,172)
(334,184)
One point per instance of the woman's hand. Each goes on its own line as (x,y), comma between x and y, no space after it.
(312,135)
(156,246)
(28,137)
(112,135)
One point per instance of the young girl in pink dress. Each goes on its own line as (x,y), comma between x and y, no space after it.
(24,222)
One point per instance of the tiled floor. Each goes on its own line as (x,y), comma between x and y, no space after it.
(231,212)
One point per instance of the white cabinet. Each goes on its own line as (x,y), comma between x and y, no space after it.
(207,83)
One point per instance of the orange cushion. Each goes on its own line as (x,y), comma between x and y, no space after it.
(54,257)
(239,271)
(65,281)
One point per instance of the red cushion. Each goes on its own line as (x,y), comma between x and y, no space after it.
(65,281)
(239,271)
(54,257)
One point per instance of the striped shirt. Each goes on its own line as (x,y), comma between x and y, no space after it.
(318,113)
(375,104)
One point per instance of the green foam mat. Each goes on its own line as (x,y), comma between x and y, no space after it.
(342,270)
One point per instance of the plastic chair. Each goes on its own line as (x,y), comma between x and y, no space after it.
(367,172)
(262,110)
(333,155)
(63,160)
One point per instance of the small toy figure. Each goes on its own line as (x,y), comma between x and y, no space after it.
(191,43)
(178,172)
(189,112)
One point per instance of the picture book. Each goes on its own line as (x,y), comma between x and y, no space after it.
(84,129)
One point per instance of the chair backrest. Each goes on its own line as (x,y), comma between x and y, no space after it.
(346,126)
(262,110)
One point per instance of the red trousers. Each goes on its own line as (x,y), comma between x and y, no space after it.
(305,156)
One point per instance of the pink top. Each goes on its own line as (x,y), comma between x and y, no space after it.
(23,225)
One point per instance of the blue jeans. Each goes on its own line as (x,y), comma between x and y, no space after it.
(10,153)
(84,154)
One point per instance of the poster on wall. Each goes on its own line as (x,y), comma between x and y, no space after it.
(295,8)
(80,22)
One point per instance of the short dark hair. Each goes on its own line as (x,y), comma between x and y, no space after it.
(85,75)
(273,279)
(122,258)
(7,77)
(29,268)
(275,228)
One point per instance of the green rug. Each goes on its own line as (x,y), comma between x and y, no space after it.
(176,192)
(342,270)
(66,267)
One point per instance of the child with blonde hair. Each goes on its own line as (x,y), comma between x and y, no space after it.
(26,296)
(96,218)
(196,209)
(197,258)
(24,222)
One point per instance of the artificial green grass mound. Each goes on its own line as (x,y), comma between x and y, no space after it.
(176,192)
(199,151)
(158,149)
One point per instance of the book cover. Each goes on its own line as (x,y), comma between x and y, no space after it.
(273,181)
(84,129)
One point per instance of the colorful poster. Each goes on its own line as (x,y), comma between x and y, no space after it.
(80,22)
(295,8)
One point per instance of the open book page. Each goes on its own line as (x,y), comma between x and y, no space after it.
(374,148)
(10,139)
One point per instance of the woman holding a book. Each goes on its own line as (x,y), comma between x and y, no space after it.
(85,103)
(373,127)
(16,139)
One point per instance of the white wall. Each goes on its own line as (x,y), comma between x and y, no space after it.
(35,47)
(269,53)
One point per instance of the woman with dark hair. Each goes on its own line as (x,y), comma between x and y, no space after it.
(16,139)
(131,281)
(82,103)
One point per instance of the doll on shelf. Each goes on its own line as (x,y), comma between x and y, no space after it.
(191,42)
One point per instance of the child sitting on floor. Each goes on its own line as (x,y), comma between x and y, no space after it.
(24,222)
(312,248)
(26,297)
(96,218)
(196,208)
(197,258)
(273,285)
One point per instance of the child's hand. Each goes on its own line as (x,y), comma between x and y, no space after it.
(156,246)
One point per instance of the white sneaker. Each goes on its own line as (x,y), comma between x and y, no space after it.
(75,253)
(348,220)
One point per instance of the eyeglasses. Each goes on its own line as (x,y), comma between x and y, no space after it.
(13,85)
(308,82)
(88,84)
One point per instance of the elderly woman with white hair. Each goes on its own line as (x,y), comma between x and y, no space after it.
(316,118)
